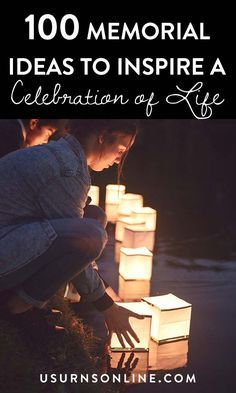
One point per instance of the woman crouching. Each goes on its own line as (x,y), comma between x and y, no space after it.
(47,235)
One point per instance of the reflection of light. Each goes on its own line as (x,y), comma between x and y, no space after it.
(135,263)
(128,202)
(146,214)
(94,195)
(130,290)
(171,317)
(140,236)
(114,193)
(142,328)
(71,293)
(133,365)
(168,356)
(122,223)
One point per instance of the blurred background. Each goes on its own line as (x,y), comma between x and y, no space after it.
(186,170)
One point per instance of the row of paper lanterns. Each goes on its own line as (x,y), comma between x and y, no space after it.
(135,237)
(135,240)
(166,317)
(135,230)
(124,206)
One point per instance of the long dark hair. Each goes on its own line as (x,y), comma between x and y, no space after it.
(82,129)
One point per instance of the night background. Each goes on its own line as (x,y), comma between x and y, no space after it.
(185,169)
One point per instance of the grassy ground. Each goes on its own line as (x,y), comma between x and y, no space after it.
(21,364)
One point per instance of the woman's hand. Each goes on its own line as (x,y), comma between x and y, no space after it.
(117,320)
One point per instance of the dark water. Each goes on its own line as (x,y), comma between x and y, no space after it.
(186,170)
(210,351)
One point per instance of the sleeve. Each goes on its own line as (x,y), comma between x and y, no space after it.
(91,289)
(63,197)
(95,267)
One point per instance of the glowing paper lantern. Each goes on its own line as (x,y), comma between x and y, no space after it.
(140,326)
(128,202)
(112,212)
(171,317)
(122,223)
(114,193)
(168,355)
(140,236)
(130,290)
(135,263)
(147,215)
(94,195)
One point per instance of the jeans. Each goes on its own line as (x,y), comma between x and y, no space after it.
(79,242)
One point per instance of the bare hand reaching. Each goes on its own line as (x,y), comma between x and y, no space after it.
(117,320)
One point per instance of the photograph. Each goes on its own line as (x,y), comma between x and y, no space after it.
(117,215)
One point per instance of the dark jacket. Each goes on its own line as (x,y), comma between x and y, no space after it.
(11,136)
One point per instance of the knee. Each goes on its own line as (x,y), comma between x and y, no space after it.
(87,238)
(97,213)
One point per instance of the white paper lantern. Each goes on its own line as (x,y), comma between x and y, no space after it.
(140,236)
(133,290)
(135,263)
(140,326)
(114,193)
(128,202)
(146,214)
(94,195)
(122,223)
(168,355)
(171,317)
(112,212)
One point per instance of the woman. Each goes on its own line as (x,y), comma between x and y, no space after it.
(45,239)
(18,133)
